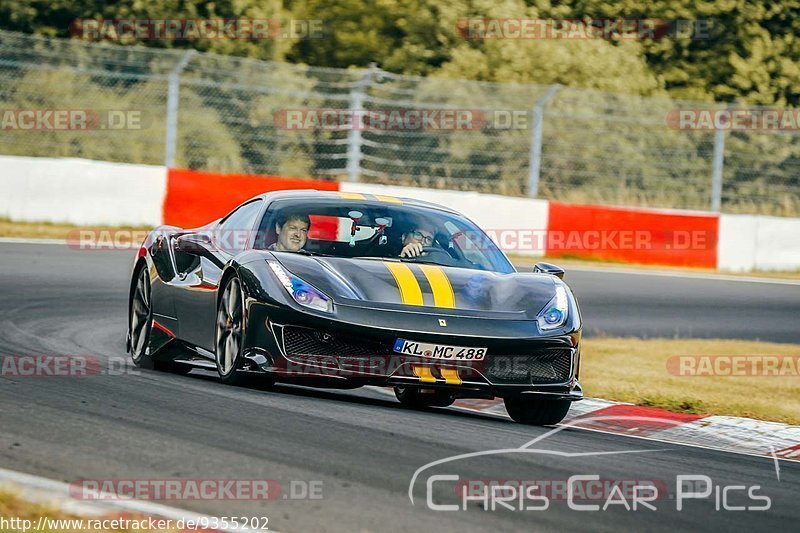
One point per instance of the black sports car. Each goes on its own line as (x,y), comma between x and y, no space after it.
(343,290)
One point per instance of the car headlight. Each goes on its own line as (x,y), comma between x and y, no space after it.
(302,292)
(554,314)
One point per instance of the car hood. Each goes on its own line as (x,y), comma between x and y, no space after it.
(376,283)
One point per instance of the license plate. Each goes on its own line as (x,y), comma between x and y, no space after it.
(439,351)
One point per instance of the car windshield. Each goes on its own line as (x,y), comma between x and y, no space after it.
(380,230)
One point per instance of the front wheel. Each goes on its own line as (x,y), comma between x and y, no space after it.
(535,411)
(230,333)
(416,398)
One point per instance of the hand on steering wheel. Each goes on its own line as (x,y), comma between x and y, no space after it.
(416,249)
(435,250)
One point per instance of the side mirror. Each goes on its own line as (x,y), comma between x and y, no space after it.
(200,238)
(549,268)
(194,243)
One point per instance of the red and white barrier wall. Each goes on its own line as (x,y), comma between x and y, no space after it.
(749,242)
(195,198)
(87,192)
(79,191)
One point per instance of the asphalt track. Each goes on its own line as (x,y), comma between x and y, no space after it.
(361,446)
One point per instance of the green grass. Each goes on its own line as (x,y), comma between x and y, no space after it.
(635,371)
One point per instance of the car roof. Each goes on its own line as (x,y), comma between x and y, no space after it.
(382,199)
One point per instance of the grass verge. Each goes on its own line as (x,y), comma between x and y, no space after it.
(12,507)
(636,371)
(47,230)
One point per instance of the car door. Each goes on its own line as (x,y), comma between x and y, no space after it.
(200,258)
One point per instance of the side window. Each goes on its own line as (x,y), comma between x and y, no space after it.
(237,230)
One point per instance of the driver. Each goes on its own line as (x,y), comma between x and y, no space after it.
(415,240)
(292,230)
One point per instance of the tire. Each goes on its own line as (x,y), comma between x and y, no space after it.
(229,337)
(141,320)
(412,398)
(535,411)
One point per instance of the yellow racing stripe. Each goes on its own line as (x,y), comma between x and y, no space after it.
(389,199)
(352,196)
(424,374)
(410,291)
(442,290)
(450,376)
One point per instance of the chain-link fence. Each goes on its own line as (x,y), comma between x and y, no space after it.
(229,114)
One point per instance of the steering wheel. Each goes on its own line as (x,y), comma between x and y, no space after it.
(430,250)
(433,250)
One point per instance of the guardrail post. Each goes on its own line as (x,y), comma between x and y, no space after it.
(536,140)
(173,96)
(357,95)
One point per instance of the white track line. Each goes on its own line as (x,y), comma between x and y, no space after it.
(19,240)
